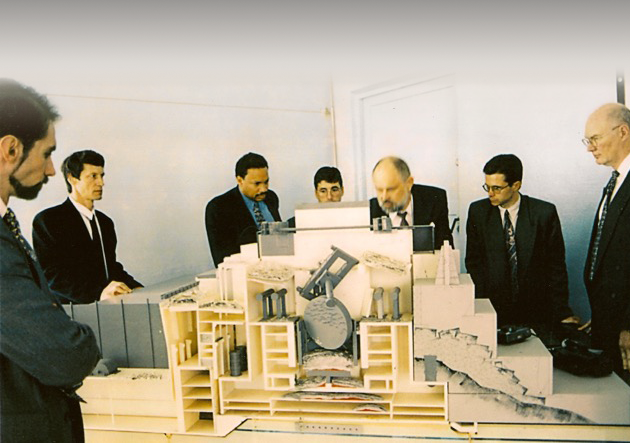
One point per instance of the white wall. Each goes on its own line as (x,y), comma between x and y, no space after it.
(170,146)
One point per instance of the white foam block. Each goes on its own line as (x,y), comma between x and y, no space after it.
(442,307)
(532,365)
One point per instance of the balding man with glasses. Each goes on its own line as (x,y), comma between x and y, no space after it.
(607,268)
(515,251)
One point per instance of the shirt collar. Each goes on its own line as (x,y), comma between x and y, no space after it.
(82,209)
(513,210)
(248,201)
(624,168)
(3,208)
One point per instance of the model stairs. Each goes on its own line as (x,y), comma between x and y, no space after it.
(460,352)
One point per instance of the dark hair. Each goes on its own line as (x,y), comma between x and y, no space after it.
(249,161)
(506,164)
(73,165)
(329,174)
(24,113)
(399,164)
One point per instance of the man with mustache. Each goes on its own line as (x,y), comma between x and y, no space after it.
(234,218)
(406,203)
(75,244)
(44,355)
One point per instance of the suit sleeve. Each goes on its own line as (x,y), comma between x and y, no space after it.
(442,228)
(35,333)
(218,246)
(558,278)
(474,254)
(54,255)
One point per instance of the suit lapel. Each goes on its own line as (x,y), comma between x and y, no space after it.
(494,237)
(617,205)
(78,225)
(418,205)
(525,235)
(243,210)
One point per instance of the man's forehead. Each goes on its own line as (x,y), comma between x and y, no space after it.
(88,168)
(497,178)
(257,173)
(326,184)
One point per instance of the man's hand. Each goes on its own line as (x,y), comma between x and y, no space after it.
(574,319)
(113,289)
(586,327)
(624,347)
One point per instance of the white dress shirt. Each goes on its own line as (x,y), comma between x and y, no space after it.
(513,210)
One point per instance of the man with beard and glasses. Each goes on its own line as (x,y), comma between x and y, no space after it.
(76,244)
(234,218)
(44,355)
(406,203)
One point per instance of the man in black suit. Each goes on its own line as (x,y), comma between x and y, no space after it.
(406,203)
(515,251)
(75,244)
(607,270)
(44,355)
(233,218)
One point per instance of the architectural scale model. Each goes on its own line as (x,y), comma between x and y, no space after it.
(336,323)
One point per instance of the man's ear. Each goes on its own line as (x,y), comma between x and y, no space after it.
(71,179)
(517,186)
(409,182)
(11,149)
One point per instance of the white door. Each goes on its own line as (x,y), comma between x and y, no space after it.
(414,120)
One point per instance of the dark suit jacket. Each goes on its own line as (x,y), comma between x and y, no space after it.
(67,254)
(429,206)
(609,292)
(41,351)
(229,224)
(542,271)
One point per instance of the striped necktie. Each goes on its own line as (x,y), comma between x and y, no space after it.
(14,226)
(608,190)
(510,244)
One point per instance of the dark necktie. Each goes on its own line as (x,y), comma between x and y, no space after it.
(14,226)
(608,190)
(403,217)
(258,215)
(98,245)
(510,244)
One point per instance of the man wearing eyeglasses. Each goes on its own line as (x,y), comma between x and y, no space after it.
(607,269)
(515,251)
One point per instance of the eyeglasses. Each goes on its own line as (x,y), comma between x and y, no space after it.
(494,189)
(594,140)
